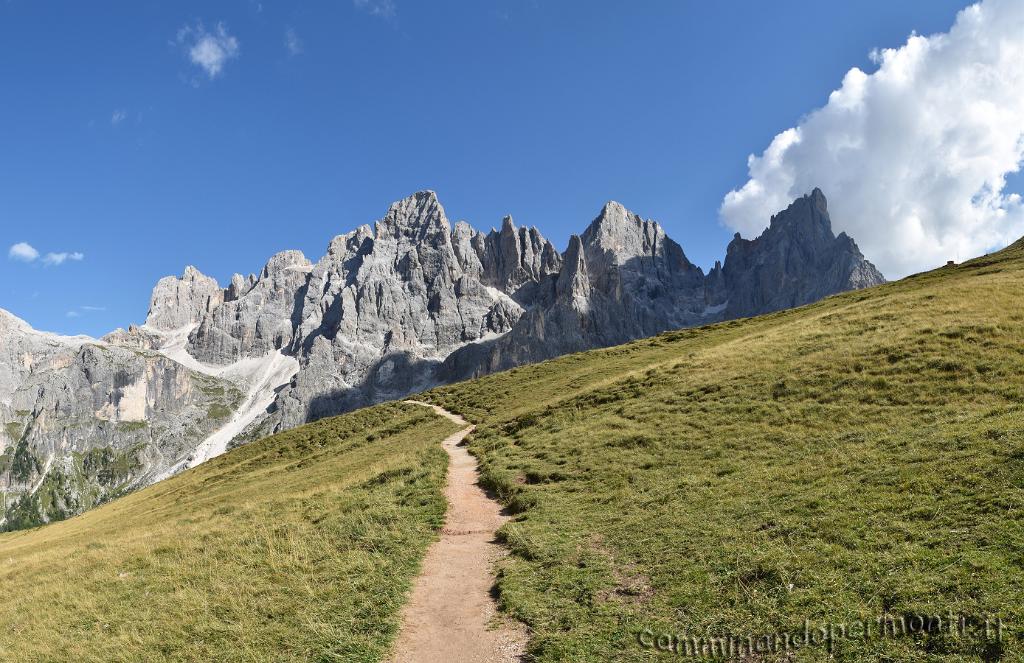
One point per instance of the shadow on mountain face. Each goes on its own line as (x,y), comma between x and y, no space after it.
(393,377)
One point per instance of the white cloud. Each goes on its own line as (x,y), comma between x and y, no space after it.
(60,258)
(25,252)
(118,117)
(84,310)
(209,50)
(22,251)
(292,41)
(912,157)
(380,8)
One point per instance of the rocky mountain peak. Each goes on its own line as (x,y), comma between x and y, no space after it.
(795,261)
(9,321)
(806,219)
(257,315)
(818,198)
(505,259)
(358,241)
(417,218)
(239,286)
(622,249)
(620,236)
(286,260)
(179,302)
(616,228)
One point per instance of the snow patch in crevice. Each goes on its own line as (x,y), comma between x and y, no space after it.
(173,347)
(265,376)
(259,377)
(498,295)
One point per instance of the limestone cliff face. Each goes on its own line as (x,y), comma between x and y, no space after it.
(85,420)
(393,308)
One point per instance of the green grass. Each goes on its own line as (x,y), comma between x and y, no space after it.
(298,547)
(218,411)
(14,430)
(858,457)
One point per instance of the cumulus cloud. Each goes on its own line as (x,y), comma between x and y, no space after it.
(118,117)
(22,251)
(380,8)
(61,258)
(914,156)
(208,50)
(292,42)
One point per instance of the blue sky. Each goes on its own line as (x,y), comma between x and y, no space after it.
(115,145)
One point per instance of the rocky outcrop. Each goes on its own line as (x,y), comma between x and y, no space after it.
(390,309)
(257,315)
(796,261)
(178,303)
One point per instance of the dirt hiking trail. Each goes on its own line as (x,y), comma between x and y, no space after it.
(450,616)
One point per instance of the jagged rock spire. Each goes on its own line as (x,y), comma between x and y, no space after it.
(573,282)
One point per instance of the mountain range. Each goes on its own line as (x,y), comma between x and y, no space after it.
(391,309)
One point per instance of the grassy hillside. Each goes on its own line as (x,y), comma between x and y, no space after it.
(849,460)
(857,458)
(298,547)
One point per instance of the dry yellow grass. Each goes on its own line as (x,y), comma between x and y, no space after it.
(298,547)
